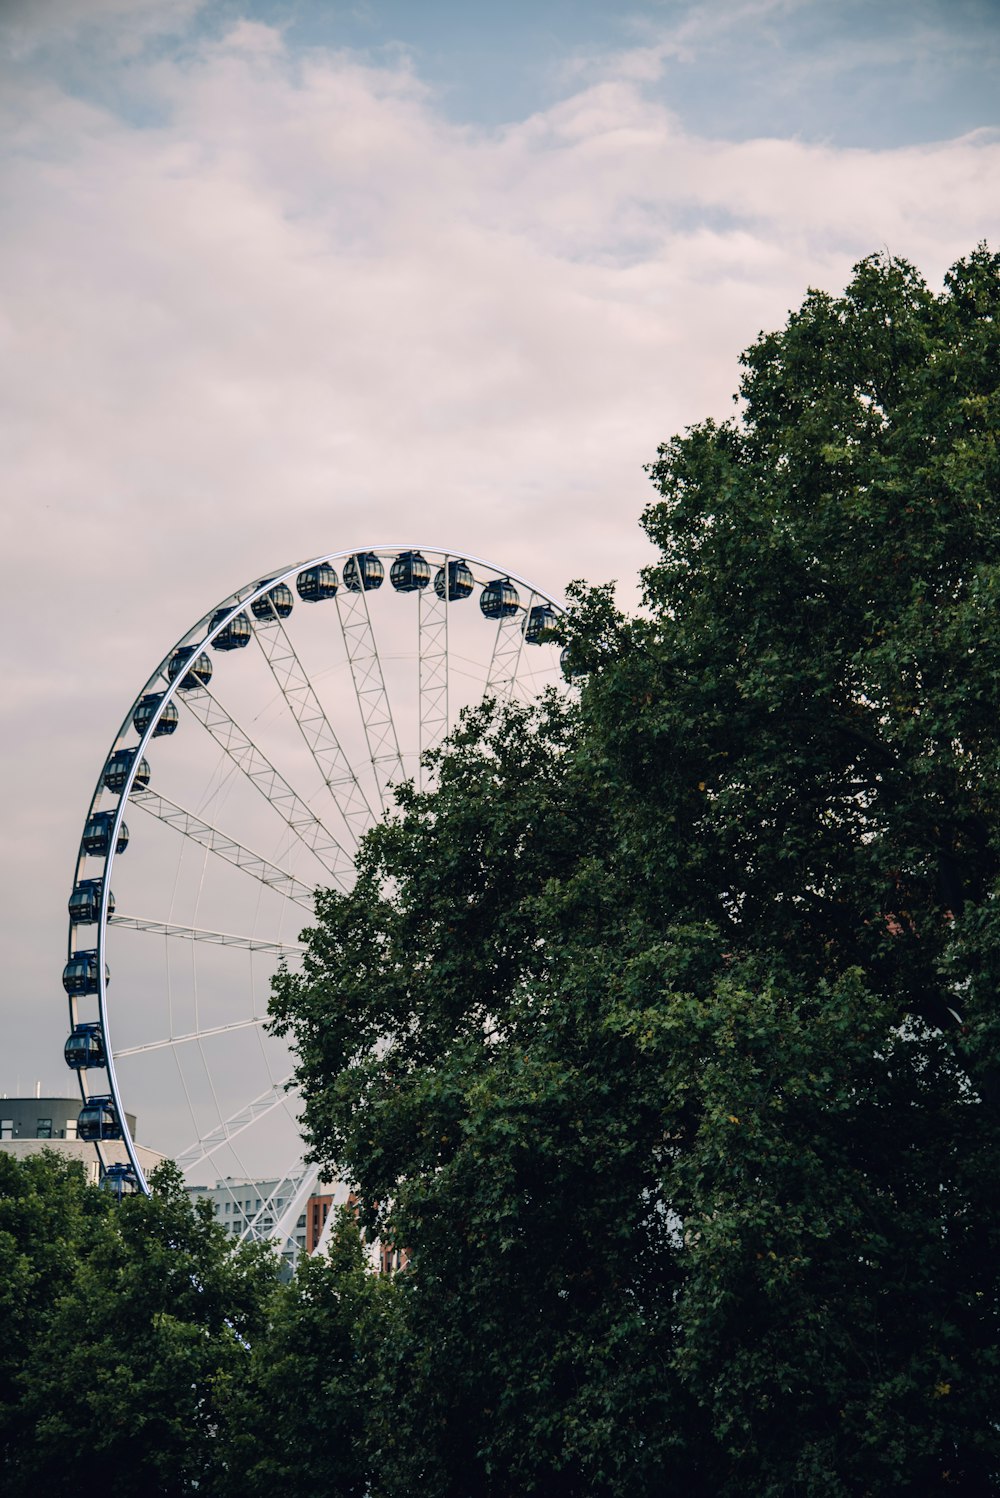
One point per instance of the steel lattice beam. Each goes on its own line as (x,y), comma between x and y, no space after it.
(271,784)
(224,846)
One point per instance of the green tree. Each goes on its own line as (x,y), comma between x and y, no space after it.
(132,1326)
(301,1417)
(664,1031)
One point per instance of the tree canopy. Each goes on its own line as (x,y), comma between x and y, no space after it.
(664,1031)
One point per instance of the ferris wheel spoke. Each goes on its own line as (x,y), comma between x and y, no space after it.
(225,847)
(432,625)
(215,938)
(282,1230)
(369,688)
(255,1022)
(313,724)
(231,1128)
(301,820)
(508,643)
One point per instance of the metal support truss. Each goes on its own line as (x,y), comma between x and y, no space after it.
(214,938)
(507,646)
(161,1045)
(271,784)
(232,1127)
(224,846)
(313,724)
(283,1230)
(369,687)
(432,620)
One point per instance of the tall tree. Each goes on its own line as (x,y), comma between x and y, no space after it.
(664,1031)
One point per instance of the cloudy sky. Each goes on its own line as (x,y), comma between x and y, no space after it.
(292,275)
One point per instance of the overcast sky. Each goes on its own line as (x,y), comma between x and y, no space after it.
(280,278)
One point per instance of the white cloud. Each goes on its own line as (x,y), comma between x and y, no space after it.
(303,311)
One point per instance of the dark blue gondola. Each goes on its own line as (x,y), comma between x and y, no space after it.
(541,617)
(117,769)
(317,583)
(410,572)
(499,599)
(97,835)
(85,902)
(146,710)
(363,570)
(568,664)
(120,1179)
(236,633)
(277,600)
(81,974)
(97,1119)
(460,581)
(200,673)
(85,1047)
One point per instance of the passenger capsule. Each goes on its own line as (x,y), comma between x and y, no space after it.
(146,710)
(117,769)
(363,570)
(499,599)
(541,618)
(120,1179)
(460,581)
(200,673)
(80,975)
(277,600)
(85,1047)
(97,1119)
(317,583)
(568,665)
(236,633)
(85,902)
(97,834)
(410,572)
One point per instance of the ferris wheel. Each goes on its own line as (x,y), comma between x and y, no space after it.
(275,730)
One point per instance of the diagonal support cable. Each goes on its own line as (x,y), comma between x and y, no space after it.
(271,784)
(369,688)
(224,846)
(313,724)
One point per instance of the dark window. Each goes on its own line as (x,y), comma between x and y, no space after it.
(44,1129)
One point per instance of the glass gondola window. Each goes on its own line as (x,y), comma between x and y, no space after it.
(277,600)
(84,1047)
(541,617)
(568,663)
(117,768)
(145,711)
(85,902)
(120,1179)
(363,570)
(97,834)
(97,1120)
(80,975)
(200,673)
(236,633)
(317,583)
(460,581)
(499,599)
(410,572)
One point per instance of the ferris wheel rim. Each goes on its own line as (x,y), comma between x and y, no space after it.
(217,620)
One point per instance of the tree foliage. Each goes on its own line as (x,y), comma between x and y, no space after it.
(664,1030)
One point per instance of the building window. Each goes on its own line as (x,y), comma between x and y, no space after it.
(6,1128)
(302,1221)
(43,1129)
(71,1128)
